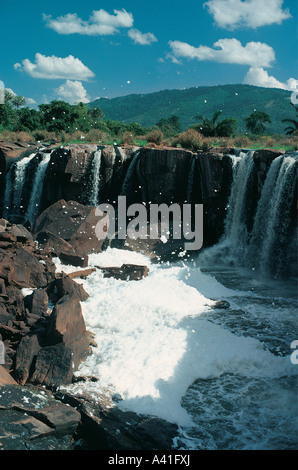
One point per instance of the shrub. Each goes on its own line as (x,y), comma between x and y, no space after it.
(96,136)
(190,139)
(127,138)
(43,135)
(155,137)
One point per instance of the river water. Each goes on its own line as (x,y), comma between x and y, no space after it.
(224,375)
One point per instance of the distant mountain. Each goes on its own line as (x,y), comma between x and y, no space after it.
(236,101)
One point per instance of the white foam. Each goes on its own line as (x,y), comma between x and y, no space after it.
(154,339)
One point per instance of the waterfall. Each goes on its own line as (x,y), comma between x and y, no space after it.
(128,184)
(235,226)
(14,189)
(270,238)
(96,165)
(269,247)
(34,203)
(19,180)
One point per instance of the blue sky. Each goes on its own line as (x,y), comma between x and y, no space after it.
(79,51)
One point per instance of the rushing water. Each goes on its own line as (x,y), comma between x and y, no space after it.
(96,166)
(224,375)
(14,190)
(33,209)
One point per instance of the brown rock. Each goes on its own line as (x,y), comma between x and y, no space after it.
(54,366)
(82,274)
(66,286)
(37,302)
(72,222)
(5,377)
(27,351)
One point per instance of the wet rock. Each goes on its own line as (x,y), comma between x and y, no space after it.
(107,427)
(127,272)
(54,366)
(67,174)
(221,304)
(32,419)
(72,222)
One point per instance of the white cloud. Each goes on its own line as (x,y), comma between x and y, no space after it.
(259,77)
(100,23)
(30,101)
(232,14)
(55,67)
(72,92)
(228,51)
(141,38)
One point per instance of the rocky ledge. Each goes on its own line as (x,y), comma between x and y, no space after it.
(45,339)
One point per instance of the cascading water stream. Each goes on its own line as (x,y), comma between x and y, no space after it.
(127,185)
(96,166)
(14,189)
(235,228)
(35,199)
(269,239)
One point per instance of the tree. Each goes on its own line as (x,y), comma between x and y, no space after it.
(28,119)
(18,101)
(255,122)
(58,116)
(212,128)
(169,126)
(96,113)
(292,130)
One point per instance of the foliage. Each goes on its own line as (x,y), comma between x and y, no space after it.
(155,136)
(58,116)
(293,129)
(212,128)
(190,139)
(28,120)
(169,126)
(127,138)
(237,101)
(255,123)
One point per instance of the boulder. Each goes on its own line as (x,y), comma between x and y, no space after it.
(127,272)
(66,286)
(37,302)
(57,246)
(106,427)
(72,222)
(27,352)
(54,366)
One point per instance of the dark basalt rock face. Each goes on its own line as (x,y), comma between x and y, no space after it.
(31,419)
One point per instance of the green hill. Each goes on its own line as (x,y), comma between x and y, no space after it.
(235,101)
